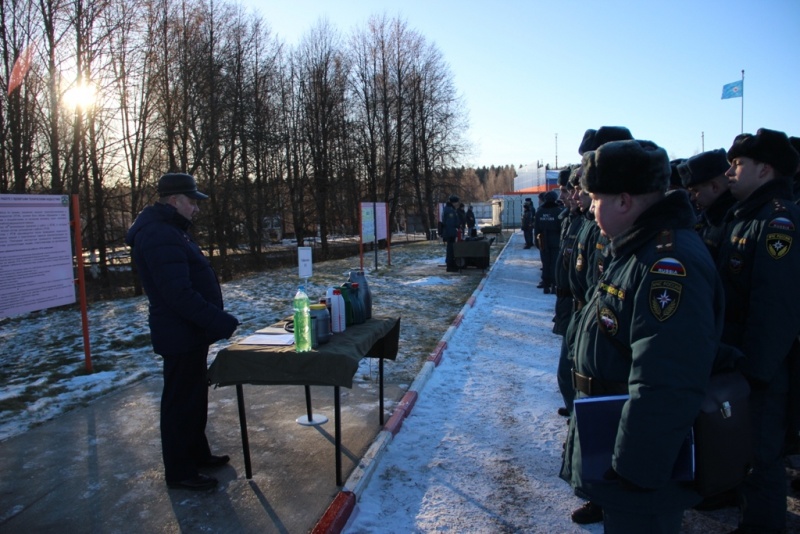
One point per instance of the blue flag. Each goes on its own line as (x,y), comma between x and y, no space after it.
(733,90)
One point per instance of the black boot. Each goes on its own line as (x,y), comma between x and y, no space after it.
(588,513)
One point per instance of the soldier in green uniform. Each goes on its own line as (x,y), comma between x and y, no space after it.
(586,267)
(758,262)
(704,177)
(650,330)
(571,221)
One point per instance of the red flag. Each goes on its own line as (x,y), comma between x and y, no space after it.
(21,68)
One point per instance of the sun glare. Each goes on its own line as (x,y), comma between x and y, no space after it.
(80,96)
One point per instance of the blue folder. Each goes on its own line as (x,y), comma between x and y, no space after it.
(598,420)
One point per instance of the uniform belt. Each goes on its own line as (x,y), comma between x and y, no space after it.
(593,386)
(563,292)
(577,305)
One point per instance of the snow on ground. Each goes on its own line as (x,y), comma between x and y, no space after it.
(481,449)
(42,365)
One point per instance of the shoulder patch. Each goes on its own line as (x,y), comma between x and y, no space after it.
(778,245)
(781,223)
(669,266)
(665,295)
(607,321)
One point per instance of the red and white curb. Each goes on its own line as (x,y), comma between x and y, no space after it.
(338,513)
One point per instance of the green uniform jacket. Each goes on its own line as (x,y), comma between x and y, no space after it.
(581,276)
(653,323)
(759,264)
(711,223)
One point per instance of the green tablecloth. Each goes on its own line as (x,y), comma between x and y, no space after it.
(471,249)
(331,364)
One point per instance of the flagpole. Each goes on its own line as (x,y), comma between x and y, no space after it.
(742,116)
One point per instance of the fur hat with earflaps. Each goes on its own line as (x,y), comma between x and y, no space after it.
(593,139)
(635,167)
(575,175)
(675,177)
(563,176)
(767,146)
(703,167)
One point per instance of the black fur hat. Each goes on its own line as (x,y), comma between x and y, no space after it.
(703,167)
(602,136)
(575,175)
(563,176)
(588,141)
(635,167)
(675,177)
(767,146)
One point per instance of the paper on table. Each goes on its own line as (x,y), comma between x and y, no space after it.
(268,339)
(271,330)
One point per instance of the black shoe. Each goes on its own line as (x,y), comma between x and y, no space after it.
(563,412)
(540,285)
(546,290)
(526,247)
(214,461)
(199,482)
(588,513)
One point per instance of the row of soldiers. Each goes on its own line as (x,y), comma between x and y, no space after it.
(667,272)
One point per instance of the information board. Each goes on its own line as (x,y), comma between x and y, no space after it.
(36,269)
(372,213)
(305,266)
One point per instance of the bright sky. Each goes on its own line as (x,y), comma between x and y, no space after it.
(533,71)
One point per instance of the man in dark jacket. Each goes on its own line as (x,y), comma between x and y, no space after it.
(759,261)
(462,220)
(547,229)
(658,284)
(527,224)
(185,316)
(471,222)
(450,224)
(704,177)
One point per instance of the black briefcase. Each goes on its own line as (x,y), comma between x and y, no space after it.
(722,435)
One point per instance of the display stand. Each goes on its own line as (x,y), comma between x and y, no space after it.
(310,419)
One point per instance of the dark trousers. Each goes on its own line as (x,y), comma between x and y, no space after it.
(628,522)
(763,492)
(528,234)
(184,413)
(564,376)
(450,258)
(549,256)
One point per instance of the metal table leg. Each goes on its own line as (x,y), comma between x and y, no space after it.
(308,403)
(337,418)
(248,469)
(380,391)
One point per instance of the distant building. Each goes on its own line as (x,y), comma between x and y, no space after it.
(535,179)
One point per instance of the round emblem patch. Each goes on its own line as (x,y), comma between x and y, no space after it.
(735,263)
(608,321)
(665,295)
(778,245)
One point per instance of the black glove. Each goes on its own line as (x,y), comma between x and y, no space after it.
(222,328)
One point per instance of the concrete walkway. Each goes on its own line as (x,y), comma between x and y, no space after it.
(98,468)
